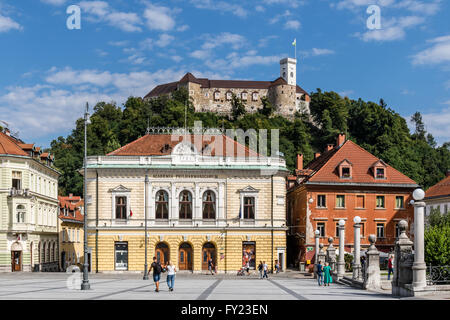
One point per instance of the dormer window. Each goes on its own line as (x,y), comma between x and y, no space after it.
(379,169)
(345,169)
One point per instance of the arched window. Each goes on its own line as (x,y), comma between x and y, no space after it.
(20,214)
(209,205)
(162,205)
(185,205)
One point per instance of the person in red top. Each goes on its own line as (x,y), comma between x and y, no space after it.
(390,267)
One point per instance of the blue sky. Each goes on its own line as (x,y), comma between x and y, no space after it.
(125,48)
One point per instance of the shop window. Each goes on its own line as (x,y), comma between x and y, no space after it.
(249,254)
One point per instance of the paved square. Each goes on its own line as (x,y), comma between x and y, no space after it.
(30,286)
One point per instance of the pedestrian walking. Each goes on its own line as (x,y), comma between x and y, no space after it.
(327,274)
(211,266)
(157,269)
(390,266)
(247,268)
(260,269)
(320,273)
(265,269)
(277,266)
(171,269)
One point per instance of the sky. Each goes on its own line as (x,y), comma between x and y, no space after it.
(124,48)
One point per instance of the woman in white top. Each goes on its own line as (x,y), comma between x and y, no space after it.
(171,269)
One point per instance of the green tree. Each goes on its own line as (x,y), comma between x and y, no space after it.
(237,107)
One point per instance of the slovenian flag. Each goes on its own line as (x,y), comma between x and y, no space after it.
(131,213)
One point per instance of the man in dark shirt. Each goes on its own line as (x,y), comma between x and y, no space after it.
(156,266)
(320,273)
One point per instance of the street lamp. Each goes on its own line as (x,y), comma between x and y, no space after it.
(85,284)
(357,249)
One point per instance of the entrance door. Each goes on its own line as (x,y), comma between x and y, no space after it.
(16,260)
(208,252)
(185,257)
(162,253)
(63,261)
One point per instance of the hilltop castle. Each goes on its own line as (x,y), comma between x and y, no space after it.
(216,95)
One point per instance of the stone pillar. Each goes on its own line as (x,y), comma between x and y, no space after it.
(331,255)
(372,279)
(357,252)
(419,266)
(403,261)
(341,262)
(316,253)
(322,255)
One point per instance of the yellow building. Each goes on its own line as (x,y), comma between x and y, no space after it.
(28,207)
(70,230)
(203,202)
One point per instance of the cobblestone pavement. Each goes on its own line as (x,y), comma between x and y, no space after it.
(188,286)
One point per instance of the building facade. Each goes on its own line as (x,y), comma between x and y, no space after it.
(28,207)
(216,95)
(202,202)
(438,196)
(71,231)
(343,182)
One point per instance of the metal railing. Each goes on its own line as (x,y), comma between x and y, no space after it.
(438,275)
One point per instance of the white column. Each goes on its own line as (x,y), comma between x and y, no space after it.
(357,250)
(419,267)
(341,262)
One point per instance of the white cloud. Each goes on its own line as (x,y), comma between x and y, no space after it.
(292,24)
(235,41)
(7,24)
(159,18)
(164,40)
(60,99)
(316,52)
(221,6)
(290,3)
(200,54)
(439,52)
(278,17)
(392,29)
(100,11)
(54,2)
(265,41)
(438,123)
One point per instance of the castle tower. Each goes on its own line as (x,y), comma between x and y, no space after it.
(288,70)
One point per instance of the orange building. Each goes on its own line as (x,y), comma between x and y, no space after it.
(343,182)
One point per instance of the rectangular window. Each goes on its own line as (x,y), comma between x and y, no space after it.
(380,201)
(249,208)
(121,207)
(380,230)
(321,228)
(63,235)
(345,172)
(121,255)
(360,202)
(337,229)
(380,173)
(17,180)
(340,201)
(399,202)
(321,201)
(249,254)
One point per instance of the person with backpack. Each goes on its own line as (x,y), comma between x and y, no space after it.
(260,269)
(171,269)
(157,269)
(320,273)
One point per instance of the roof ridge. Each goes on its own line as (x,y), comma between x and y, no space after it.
(132,142)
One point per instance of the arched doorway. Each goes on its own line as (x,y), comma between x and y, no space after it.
(208,252)
(16,257)
(185,257)
(162,253)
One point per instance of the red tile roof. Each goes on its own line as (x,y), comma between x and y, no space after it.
(162,144)
(10,146)
(75,208)
(440,189)
(324,168)
(225,84)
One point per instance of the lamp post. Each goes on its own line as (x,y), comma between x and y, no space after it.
(85,284)
(341,262)
(146,240)
(419,267)
(357,249)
